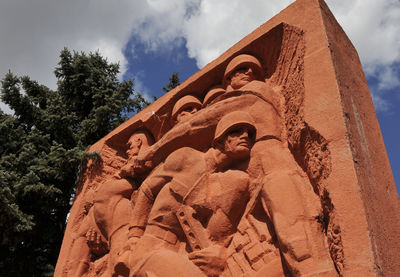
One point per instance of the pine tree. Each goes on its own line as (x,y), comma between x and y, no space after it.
(174,81)
(42,146)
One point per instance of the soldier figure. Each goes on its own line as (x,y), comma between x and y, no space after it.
(188,209)
(105,227)
(284,189)
(184,108)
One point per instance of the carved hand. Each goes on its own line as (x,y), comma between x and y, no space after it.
(135,166)
(121,267)
(210,260)
(95,243)
(144,159)
(127,170)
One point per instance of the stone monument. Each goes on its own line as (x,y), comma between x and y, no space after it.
(269,161)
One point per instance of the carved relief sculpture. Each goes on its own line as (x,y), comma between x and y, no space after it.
(237,171)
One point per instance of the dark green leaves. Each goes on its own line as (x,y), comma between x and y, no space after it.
(42,147)
(174,81)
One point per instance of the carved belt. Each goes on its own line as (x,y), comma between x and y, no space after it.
(163,234)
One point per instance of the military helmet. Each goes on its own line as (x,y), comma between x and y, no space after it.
(232,120)
(213,93)
(243,60)
(185,101)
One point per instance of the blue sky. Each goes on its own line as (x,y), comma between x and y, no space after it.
(152,69)
(153,38)
(155,68)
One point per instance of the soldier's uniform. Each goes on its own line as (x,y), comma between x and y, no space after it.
(188,188)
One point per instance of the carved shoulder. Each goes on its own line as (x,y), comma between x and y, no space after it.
(183,158)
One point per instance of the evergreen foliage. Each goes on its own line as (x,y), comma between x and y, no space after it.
(41,148)
(174,81)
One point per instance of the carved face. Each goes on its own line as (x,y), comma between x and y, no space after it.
(241,77)
(134,144)
(238,142)
(186,113)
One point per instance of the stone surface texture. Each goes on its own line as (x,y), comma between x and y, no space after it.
(269,161)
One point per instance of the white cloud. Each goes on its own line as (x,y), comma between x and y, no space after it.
(5,108)
(208,27)
(213,26)
(220,24)
(389,78)
(162,27)
(373,27)
(34,32)
(140,86)
(380,103)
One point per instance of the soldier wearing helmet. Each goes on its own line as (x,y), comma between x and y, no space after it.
(184,108)
(212,185)
(263,105)
(212,94)
(270,166)
(286,193)
(241,70)
(230,129)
